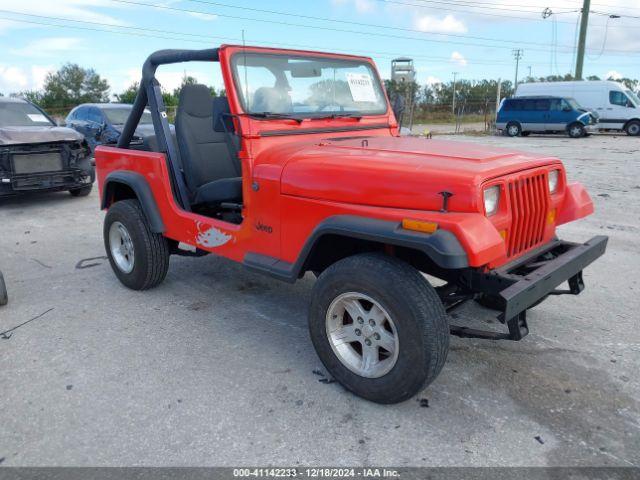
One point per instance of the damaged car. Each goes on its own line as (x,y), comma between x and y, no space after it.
(102,123)
(38,155)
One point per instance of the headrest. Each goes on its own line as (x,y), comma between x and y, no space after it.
(195,100)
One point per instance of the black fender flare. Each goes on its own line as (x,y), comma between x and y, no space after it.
(141,188)
(442,246)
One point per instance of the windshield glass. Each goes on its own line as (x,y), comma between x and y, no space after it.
(118,116)
(575,105)
(633,97)
(307,86)
(20,114)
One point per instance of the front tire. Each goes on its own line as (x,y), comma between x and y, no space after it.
(4,297)
(378,327)
(513,129)
(81,191)
(138,256)
(633,128)
(576,130)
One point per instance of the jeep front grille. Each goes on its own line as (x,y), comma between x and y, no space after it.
(529,202)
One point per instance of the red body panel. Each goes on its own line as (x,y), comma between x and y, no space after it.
(303,179)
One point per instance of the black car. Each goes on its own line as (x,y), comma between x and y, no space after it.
(37,155)
(101,124)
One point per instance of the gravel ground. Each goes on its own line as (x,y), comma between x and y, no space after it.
(215,367)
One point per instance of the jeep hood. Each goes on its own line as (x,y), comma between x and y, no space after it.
(42,134)
(398,172)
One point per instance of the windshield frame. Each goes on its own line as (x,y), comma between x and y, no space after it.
(235,70)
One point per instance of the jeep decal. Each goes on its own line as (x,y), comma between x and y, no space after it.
(261,227)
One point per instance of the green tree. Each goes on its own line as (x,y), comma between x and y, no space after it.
(129,95)
(72,85)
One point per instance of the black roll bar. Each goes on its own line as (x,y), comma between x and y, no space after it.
(150,93)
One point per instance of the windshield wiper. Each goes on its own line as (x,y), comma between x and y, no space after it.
(338,115)
(282,116)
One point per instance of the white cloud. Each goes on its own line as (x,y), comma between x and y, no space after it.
(431,80)
(448,24)
(47,47)
(39,74)
(18,79)
(84,10)
(202,16)
(361,6)
(458,59)
(613,75)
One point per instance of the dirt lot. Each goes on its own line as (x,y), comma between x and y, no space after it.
(215,367)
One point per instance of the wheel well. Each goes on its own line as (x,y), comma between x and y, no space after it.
(117,191)
(331,248)
(629,121)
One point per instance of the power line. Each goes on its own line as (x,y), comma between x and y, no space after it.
(346,22)
(320,27)
(500,7)
(206,39)
(333,29)
(481,13)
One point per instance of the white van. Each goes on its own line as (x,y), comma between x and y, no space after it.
(617,106)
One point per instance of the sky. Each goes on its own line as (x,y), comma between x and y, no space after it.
(474,38)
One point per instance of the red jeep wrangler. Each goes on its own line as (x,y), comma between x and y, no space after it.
(299,169)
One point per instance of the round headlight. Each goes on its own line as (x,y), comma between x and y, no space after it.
(554,175)
(491,198)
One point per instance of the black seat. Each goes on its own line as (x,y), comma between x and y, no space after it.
(212,171)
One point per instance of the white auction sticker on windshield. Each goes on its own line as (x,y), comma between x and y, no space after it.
(361,87)
(37,117)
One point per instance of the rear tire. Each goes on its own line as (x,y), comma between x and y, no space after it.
(576,130)
(138,256)
(409,336)
(513,129)
(82,191)
(4,297)
(633,128)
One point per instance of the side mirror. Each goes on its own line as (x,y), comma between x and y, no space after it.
(566,109)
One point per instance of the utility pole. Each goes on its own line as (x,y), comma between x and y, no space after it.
(529,67)
(453,105)
(517,54)
(498,96)
(584,21)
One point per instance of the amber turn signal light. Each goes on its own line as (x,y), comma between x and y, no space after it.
(419,226)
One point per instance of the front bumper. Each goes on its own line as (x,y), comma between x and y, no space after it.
(521,284)
(592,128)
(12,184)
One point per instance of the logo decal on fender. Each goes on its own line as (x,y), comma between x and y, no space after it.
(261,227)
